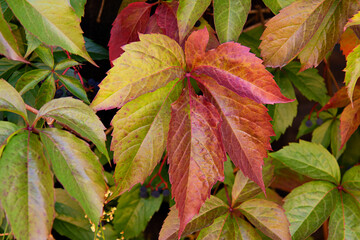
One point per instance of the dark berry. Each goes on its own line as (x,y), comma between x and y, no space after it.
(143,189)
(319,121)
(58,93)
(155,194)
(197,24)
(308,123)
(144,195)
(166,192)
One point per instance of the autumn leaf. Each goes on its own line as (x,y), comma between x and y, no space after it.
(234,67)
(144,67)
(355,20)
(196,153)
(341,99)
(166,19)
(308,28)
(352,71)
(348,41)
(349,121)
(131,21)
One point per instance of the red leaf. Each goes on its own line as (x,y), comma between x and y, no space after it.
(246,127)
(341,99)
(195,47)
(349,121)
(130,21)
(196,153)
(234,67)
(348,41)
(153,26)
(166,18)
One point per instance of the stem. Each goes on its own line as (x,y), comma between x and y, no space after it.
(98,19)
(31,109)
(48,120)
(327,66)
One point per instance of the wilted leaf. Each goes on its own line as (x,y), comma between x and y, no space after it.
(268,217)
(308,28)
(166,19)
(77,168)
(79,117)
(26,189)
(230,17)
(61,31)
(234,67)
(210,210)
(349,121)
(351,181)
(276,5)
(31,79)
(128,24)
(10,100)
(348,41)
(144,67)
(133,213)
(308,206)
(139,145)
(195,153)
(309,159)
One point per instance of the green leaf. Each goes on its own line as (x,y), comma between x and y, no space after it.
(30,79)
(276,5)
(229,173)
(268,217)
(321,135)
(32,43)
(210,210)
(74,86)
(8,67)
(10,100)
(303,129)
(336,149)
(229,227)
(351,181)
(344,220)
(96,51)
(352,71)
(309,83)
(77,168)
(26,189)
(308,206)
(45,55)
(139,145)
(59,24)
(309,159)
(189,11)
(66,63)
(251,39)
(46,92)
(133,213)
(230,17)
(7,130)
(78,6)
(79,117)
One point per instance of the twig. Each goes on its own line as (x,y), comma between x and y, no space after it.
(48,120)
(331,74)
(98,19)
(255,26)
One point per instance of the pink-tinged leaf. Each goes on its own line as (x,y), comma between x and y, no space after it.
(131,21)
(166,19)
(246,128)
(144,67)
(234,67)
(348,41)
(355,20)
(308,28)
(196,153)
(268,217)
(153,26)
(352,71)
(349,121)
(195,47)
(341,99)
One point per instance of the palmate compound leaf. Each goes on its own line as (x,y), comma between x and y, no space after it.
(308,28)
(139,145)
(10,100)
(196,153)
(234,67)
(267,216)
(210,210)
(344,220)
(77,168)
(308,206)
(26,188)
(144,67)
(309,159)
(131,21)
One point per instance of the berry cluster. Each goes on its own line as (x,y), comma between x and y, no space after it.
(309,123)
(155,193)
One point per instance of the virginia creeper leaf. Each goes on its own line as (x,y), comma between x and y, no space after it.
(78,6)
(335,136)
(233,66)
(126,3)
(166,19)
(210,210)
(32,43)
(229,227)
(74,86)
(144,67)
(26,187)
(7,129)
(230,17)
(321,135)
(309,159)
(195,153)
(251,39)
(246,128)
(268,217)
(352,71)
(189,11)
(276,5)
(351,182)
(344,219)
(308,206)
(45,55)
(133,213)
(153,26)
(62,31)
(307,28)
(349,121)
(355,20)
(341,99)
(77,168)
(66,63)
(272,196)
(138,145)
(348,41)
(128,24)
(31,79)
(46,92)
(8,67)
(10,100)
(79,117)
